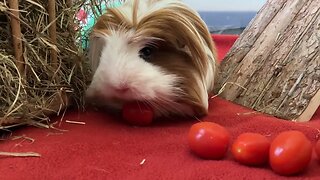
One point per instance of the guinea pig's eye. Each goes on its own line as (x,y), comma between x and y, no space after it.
(145,53)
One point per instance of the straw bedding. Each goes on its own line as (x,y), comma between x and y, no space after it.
(44,87)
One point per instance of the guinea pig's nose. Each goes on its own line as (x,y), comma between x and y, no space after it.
(121,89)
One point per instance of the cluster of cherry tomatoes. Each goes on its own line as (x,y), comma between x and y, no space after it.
(288,153)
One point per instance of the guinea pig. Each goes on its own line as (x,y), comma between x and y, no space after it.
(158,52)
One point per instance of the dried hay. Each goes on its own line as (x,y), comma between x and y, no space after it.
(45,87)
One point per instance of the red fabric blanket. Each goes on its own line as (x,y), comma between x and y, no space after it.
(107,148)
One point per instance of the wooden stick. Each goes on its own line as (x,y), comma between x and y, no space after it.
(53,31)
(16,35)
(311,108)
(71,23)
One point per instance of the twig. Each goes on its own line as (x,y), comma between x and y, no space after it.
(24,137)
(53,31)
(75,122)
(50,134)
(249,113)
(16,33)
(20,154)
(61,130)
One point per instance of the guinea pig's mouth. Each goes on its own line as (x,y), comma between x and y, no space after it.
(116,101)
(159,108)
(162,105)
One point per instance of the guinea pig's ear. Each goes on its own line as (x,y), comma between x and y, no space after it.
(96,44)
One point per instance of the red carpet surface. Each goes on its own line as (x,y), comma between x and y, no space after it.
(107,148)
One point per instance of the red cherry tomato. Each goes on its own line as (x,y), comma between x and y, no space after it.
(137,113)
(317,149)
(251,149)
(290,153)
(208,140)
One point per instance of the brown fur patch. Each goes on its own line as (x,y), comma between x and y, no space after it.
(113,19)
(177,25)
(178,62)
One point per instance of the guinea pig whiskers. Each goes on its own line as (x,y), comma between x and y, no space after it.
(158,108)
(165,105)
